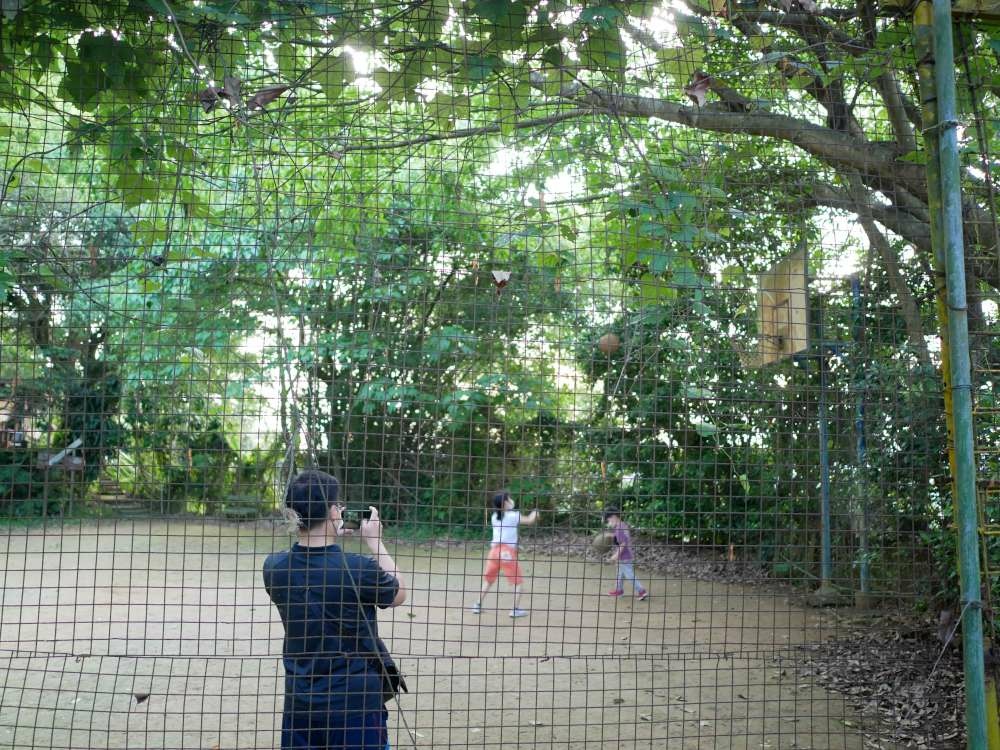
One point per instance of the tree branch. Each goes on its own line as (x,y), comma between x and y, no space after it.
(835,148)
(907,304)
(891,217)
(465,132)
(810,28)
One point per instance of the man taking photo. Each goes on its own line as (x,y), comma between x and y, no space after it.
(338,673)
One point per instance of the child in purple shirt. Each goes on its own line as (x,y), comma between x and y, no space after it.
(623,555)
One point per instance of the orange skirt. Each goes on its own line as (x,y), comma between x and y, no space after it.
(503,557)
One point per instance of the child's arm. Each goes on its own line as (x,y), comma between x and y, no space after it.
(613,557)
(531,518)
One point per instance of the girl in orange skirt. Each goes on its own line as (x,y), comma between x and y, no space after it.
(502,556)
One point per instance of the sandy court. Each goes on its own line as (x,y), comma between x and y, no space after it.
(94,615)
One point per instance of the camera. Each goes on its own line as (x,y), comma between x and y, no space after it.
(354,516)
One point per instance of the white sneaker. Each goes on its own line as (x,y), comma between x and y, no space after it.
(476,609)
(518,612)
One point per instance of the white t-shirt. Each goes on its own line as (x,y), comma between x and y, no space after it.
(505,530)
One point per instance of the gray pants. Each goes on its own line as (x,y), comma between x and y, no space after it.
(627,572)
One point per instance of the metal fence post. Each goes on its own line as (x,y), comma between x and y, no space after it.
(961,385)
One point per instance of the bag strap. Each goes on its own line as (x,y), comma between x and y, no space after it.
(380,652)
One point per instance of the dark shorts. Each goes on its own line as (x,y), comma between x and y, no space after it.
(306,730)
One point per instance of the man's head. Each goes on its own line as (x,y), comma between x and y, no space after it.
(313,496)
(612,516)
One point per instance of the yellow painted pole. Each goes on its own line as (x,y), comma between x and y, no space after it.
(924,47)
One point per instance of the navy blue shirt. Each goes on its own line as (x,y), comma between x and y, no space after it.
(329,654)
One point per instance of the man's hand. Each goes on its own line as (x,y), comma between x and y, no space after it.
(371,529)
(371,532)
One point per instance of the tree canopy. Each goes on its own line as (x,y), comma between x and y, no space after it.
(396,230)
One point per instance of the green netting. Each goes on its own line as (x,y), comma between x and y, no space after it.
(668,258)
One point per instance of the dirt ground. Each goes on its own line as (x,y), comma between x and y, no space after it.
(95,618)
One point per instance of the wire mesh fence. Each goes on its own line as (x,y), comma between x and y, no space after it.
(651,280)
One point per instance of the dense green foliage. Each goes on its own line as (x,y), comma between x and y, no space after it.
(225,224)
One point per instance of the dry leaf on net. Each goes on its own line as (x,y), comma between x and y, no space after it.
(210,97)
(265,96)
(500,279)
(232,86)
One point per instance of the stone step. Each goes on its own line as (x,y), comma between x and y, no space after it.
(129,509)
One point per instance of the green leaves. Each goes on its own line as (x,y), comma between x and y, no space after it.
(604,50)
(445,108)
(333,73)
(7,277)
(506,19)
(194,14)
(706,429)
(401,83)
(149,232)
(495,11)
(101,63)
(480,67)
(135,188)
(602,16)
(651,290)
(449,340)
(127,145)
(288,58)
(681,63)
(390,396)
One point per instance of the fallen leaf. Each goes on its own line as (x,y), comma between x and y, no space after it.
(645,718)
(618,701)
(944,629)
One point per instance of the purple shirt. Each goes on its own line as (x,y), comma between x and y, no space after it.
(624,542)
